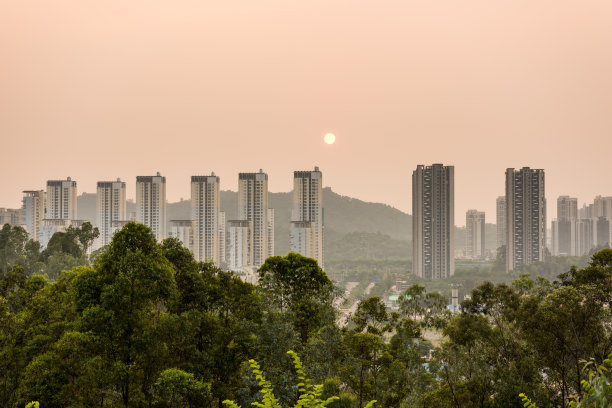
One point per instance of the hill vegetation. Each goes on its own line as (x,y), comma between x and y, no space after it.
(143,324)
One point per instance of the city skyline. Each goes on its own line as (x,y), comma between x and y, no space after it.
(489,208)
(160,85)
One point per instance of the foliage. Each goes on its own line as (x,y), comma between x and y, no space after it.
(310,395)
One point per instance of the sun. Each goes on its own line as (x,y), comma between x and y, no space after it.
(329,138)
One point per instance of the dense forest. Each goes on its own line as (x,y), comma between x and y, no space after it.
(142,324)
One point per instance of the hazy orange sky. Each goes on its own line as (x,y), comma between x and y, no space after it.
(104,89)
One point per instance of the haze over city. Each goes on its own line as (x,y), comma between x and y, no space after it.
(104,90)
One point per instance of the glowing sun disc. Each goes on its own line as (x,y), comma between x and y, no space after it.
(329,138)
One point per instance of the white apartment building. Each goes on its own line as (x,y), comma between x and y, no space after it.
(205,204)
(151,203)
(183,230)
(308,207)
(253,206)
(239,240)
(34,208)
(61,199)
(110,206)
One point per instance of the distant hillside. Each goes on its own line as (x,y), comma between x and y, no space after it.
(353,228)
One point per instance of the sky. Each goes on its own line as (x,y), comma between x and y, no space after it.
(97,90)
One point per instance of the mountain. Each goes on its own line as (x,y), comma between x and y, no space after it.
(353,228)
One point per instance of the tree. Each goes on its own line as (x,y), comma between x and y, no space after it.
(298,285)
(120,302)
(178,389)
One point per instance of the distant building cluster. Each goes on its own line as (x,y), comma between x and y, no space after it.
(241,245)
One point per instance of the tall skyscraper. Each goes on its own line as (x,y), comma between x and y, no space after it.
(34,206)
(110,206)
(475,234)
(308,208)
(151,203)
(433,221)
(564,227)
(61,199)
(205,204)
(500,206)
(525,217)
(253,206)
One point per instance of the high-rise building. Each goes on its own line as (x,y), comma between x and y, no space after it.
(582,236)
(270,232)
(253,206)
(601,226)
(222,238)
(308,208)
(61,199)
(11,216)
(183,231)
(586,211)
(433,221)
(525,217)
(567,208)
(564,227)
(602,207)
(475,234)
(239,240)
(110,206)
(205,203)
(301,235)
(151,203)
(500,206)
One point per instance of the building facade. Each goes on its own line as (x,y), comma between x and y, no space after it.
(12,216)
(500,207)
(308,208)
(110,206)
(61,199)
(525,217)
(183,231)
(253,206)
(433,221)
(151,203)
(205,204)
(34,207)
(239,240)
(474,234)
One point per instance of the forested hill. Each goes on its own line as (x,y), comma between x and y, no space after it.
(352,226)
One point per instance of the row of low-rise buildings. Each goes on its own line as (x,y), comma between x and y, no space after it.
(241,244)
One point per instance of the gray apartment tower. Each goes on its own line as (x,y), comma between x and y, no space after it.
(433,221)
(474,234)
(525,217)
(500,206)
